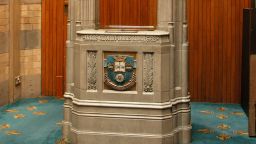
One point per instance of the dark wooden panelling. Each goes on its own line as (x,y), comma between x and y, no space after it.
(215,36)
(247,46)
(248,68)
(54,34)
(128,12)
(252,99)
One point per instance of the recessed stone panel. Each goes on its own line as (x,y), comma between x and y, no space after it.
(91,70)
(148,72)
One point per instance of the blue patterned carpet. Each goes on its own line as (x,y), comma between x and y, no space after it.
(219,124)
(38,121)
(31,121)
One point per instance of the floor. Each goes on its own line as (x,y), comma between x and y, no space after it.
(219,124)
(31,121)
(38,121)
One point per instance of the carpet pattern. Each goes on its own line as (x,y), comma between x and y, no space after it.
(219,124)
(31,121)
(39,120)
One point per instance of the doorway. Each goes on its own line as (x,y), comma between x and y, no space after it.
(54,29)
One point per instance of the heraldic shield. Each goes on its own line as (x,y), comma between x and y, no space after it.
(120,72)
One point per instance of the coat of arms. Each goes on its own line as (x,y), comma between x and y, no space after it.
(120,72)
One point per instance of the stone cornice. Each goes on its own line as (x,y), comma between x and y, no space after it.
(123,36)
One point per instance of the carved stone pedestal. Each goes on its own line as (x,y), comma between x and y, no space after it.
(122,92)
(127,87)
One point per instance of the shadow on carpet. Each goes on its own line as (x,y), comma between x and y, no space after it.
(219,124)
(31,121)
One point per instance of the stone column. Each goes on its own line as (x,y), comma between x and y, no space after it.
(164,14)
(71,34)
(88,13)
(69,45)
(172,17)
(165,22)
(83,15)
(181,48)
(180,45)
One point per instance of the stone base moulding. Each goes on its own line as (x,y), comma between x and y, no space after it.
(107,120)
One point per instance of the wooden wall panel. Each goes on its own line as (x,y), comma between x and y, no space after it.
(128,12)
(215,36)
(54,31)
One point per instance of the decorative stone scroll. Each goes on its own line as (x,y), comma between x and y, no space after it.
(148,72)
(91,70)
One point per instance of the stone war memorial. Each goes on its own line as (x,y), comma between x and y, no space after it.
(127,86)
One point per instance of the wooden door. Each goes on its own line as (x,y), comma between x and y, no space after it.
(215,38)
(54,36)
